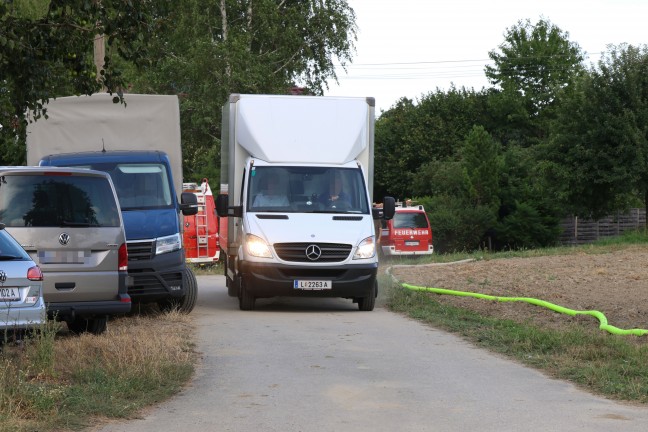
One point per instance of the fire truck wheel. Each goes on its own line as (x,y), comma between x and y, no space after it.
(186,303)
(367,303)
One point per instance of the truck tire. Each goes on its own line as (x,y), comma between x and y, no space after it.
(95,325)
(368,303)
(246,299)
(187,302)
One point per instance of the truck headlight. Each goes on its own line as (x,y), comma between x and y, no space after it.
(167,244)
(366,249)
(257,247)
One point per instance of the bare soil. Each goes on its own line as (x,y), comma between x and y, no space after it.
(614,283)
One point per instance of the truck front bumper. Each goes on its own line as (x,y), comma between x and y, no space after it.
(157,278)
(272,280)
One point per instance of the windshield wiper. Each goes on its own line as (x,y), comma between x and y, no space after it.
(10,258)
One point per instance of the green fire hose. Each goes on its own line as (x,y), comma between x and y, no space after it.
(598,315)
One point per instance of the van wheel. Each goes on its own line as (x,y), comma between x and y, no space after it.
(96,325)
(368,303)
(187,302)
(246,299)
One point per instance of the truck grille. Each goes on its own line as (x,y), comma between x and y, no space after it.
(313,252)
(140,250)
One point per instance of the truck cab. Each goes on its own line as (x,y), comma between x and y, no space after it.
(296,191)
(138,144)
(408,233)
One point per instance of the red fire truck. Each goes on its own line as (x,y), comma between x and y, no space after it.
(408,233)
(201,230)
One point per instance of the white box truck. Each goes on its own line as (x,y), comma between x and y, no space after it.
(296,188)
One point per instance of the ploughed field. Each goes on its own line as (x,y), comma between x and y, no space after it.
(614,283)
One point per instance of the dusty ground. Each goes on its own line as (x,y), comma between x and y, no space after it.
(614,283)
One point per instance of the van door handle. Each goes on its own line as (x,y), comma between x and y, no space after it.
(64,285)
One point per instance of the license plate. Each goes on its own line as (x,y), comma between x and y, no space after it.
(412,243)
(312,284)
(9,294)
(62,257)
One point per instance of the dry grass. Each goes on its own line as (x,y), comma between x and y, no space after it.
(58,381)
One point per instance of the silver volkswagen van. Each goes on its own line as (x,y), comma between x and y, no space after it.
(69,222)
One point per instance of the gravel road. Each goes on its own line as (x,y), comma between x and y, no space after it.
(321,365)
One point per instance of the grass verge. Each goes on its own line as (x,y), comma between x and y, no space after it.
(54,381)
(604,364)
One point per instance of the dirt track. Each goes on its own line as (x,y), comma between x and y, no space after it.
(613,283)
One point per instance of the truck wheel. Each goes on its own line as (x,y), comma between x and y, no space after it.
(246,299)
(367,304)
(96,325)
(187,302)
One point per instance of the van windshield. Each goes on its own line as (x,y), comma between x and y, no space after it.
(294,189)
(57,201)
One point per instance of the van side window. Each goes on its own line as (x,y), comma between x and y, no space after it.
(57,201)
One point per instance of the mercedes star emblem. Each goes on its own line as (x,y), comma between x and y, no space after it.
(313,252)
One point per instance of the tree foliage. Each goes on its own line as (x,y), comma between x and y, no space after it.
(216,48)
(46,47)
(536,61)
(408,136)
(599,146)
(529,69)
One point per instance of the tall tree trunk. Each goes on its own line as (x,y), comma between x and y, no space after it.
(223,11)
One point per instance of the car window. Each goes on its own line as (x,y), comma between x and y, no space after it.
(10,249)
(56,201)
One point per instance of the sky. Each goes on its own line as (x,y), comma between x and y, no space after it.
(409,48)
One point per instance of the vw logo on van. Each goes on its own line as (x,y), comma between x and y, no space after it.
(3,276)
(64,238)
(313,252)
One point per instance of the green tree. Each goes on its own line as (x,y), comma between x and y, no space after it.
(529,213)
(530,67)
(409,135)
(46,50)
(216,48)
(598,154)
(481,163)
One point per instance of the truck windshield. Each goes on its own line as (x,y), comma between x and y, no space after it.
(292,189)
(410,220)
(138,185)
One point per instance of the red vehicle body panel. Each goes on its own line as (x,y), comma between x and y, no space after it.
(408,233)
(201,240)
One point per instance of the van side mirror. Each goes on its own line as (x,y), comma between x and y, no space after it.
(188,203)
(224,210)
(389,207)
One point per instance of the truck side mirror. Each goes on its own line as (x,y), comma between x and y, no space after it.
(188,204)
(389,207)
(224,210)
(222,203)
